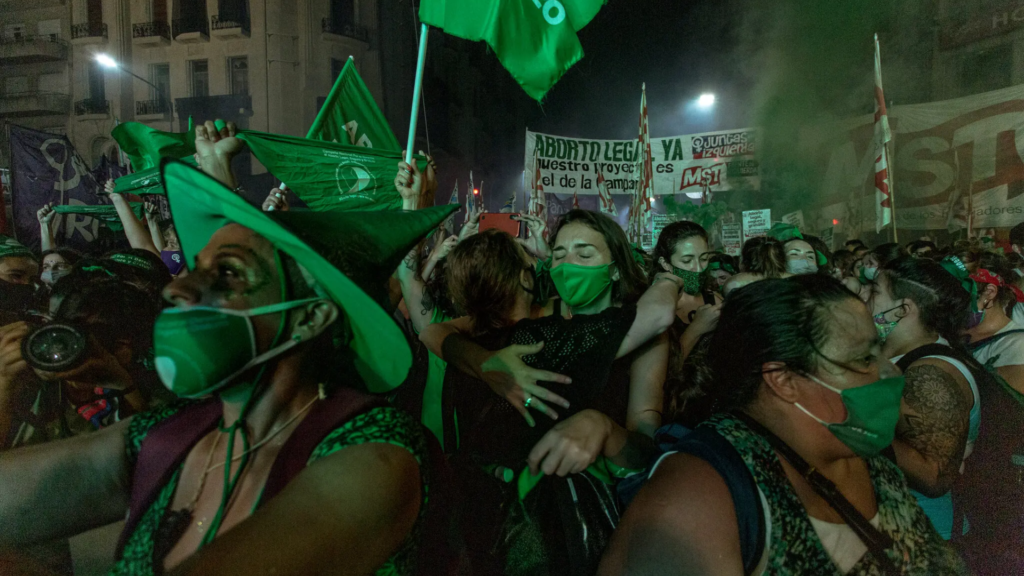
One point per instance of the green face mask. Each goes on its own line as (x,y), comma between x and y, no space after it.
(579,286)
(200,349)
(691,280)
(872,412)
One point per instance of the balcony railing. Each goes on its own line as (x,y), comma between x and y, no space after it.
(88,30)
(217,24)
(151,107)
(92,106)
(24,104)
(26,49)
(350,30)
(151,30)
(190,25)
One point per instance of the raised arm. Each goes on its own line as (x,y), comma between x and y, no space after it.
(215,147)
(45,215)
(154,226)
(350,511)
(655,312)
(932,430)
(138,236)
(62,488)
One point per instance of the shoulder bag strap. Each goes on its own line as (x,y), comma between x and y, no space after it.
(876,541)
(972,346)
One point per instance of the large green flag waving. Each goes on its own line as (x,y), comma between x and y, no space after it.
(328,175)
(145,181)
(350,116)
(145,146)
(535,40)
(104,212)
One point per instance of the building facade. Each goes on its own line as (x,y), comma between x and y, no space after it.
(264,64)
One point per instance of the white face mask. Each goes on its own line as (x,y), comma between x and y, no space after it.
(869,273)
(801,267)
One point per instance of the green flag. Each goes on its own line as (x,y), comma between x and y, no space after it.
(145,146)
(350,116)
(328,175)
(106,213)
(535,40)
(145,181)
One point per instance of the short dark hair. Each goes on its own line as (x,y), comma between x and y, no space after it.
(942,300)
(632,281)
(670,236)
(885,253)
(1017,235)
(764,256)
(1000,266)
(919,244)
(483,276)
(776,320)
(852,245)
(845,260)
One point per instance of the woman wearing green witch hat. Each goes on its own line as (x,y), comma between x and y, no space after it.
(276,460)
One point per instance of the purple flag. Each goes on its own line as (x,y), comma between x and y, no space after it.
(46,168)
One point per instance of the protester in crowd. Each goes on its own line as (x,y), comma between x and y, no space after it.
(277,199)
(738,281)
(876,259)
(764,256)
(996,340)
(720,268)
(791,477)
(825,258)
(57,263)
(1017,239)
(269,296)
(801,257)
(492,279)
(922,248)
(682,249)
(18,265)
(917,303)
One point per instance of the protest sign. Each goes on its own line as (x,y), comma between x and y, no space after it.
(795,219)
(567,165)
(756,223)
(732,239)
(828,236)
(977,137)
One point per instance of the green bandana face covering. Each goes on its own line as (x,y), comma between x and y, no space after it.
(691,280)
(579,286)
(872,412)
(201,349)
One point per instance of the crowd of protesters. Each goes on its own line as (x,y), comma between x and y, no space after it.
(275,390)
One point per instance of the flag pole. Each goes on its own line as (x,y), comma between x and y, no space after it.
(418,85)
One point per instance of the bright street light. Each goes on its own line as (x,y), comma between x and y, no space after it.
(106,61)
(706,100)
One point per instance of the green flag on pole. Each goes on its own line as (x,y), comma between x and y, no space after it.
(350,115)
(145,146)
(535,40)
(328,175)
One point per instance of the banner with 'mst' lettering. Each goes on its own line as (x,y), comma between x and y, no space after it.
(569,165)
(943,152)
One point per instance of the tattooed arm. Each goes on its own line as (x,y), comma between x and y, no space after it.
(932,431)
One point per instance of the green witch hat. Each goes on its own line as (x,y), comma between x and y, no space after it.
(351,254)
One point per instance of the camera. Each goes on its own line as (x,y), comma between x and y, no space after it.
(55,347)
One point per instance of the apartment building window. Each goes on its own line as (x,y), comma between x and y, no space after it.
(49,28)
(238,75)
(94,13)
(160,74)
(343,13)
(55,83)
(336,67)
(14,31)
(97,85)
(987,70)
(199,78)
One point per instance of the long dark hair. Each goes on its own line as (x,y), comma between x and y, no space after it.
(632,282)
(774,320)
(672,235)
(764,256)
(942,300)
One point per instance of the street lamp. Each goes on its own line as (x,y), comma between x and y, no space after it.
(108,62)
(706,100)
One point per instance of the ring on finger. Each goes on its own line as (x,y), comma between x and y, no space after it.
(528,400)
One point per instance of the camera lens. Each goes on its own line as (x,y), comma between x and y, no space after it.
(54,347)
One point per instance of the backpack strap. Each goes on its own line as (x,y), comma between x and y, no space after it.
(710,446)
(992,339)
(163,449)
(341,406)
